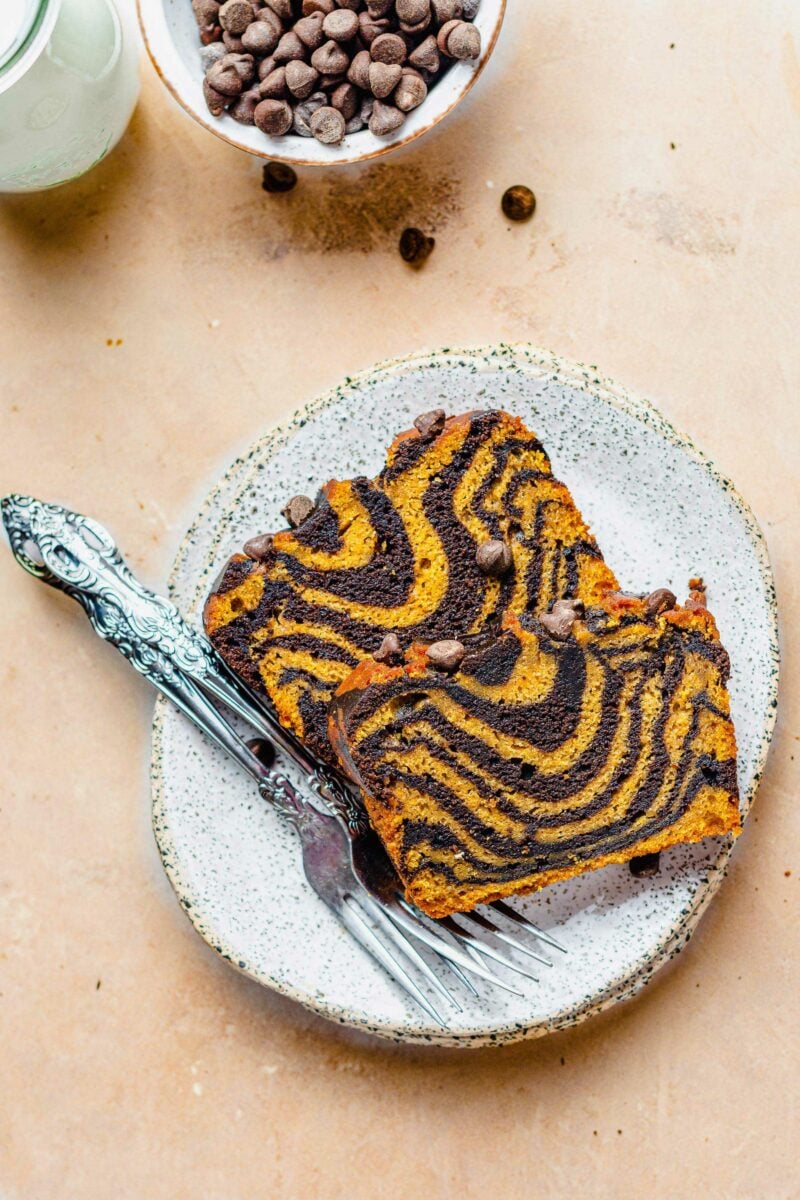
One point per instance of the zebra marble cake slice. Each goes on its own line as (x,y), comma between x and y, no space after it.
(399,555)
(569,742)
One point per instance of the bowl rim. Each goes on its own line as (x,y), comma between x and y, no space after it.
(275,153)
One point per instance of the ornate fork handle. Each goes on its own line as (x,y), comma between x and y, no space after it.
(77,556)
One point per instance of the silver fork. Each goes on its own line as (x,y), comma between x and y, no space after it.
(343,860)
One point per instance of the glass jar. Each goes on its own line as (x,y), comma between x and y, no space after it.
(69,80)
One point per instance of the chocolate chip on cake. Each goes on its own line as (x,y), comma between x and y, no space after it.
(645,865)
(661,600)
(494,558)
(298,510)
(258,547)
(430,424)
(446,655)
(390,651)
(563,615)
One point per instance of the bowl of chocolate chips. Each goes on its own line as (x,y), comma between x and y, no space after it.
(319,81)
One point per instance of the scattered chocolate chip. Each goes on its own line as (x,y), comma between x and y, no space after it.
(430,424)
(446,655)
(645,865)
(298,510)
(415,246)
(390,650)
(278,177)
(659,601)
(494,558)
(258,547)
(518,203)
(563,615)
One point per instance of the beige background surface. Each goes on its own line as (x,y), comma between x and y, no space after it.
(135,1065)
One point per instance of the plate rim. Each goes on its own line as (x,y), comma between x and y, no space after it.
(583,378)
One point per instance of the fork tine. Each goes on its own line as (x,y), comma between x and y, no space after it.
(454,953)
(490,927)
(402,943)
(460,976)
(365,935)
(507,911)
(466,937)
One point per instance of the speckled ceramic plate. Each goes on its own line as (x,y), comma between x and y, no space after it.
(661,512)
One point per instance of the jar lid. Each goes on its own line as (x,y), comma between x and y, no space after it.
(25,26)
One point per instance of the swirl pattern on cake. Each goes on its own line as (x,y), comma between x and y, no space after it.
(398,554)
(541,758)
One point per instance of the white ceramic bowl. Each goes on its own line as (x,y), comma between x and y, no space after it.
(170,35)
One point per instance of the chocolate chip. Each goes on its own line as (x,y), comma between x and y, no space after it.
(460,39)
(243,110)
(215,100)
(358,74)
(426,56)
(413,12)
(224,78)
(305,111)
(563,615)
(273,117)
(300,79)
(659,601)
(410,91)
(518,203)
(645,865)
(236,15)
(389,48)
(430,424)
(494,558)
(415,246)
(327,125)
(341,25)
(385,119)
(278,177)
(446,655)
(259,547)
(274,86)
(384,78)
(260,38)
(298,510)
(390,650)
(330,59)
